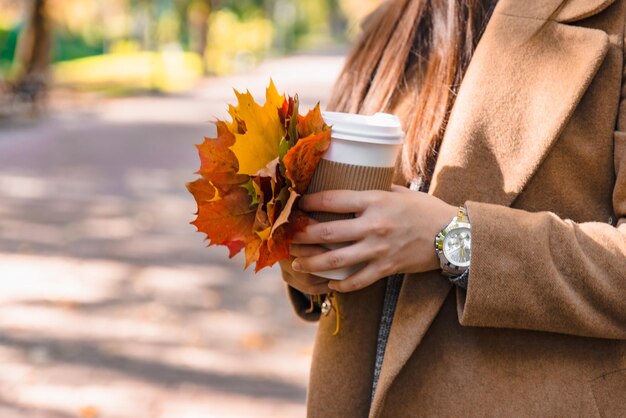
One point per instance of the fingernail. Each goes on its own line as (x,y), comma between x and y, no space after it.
(296,266)
(331,286)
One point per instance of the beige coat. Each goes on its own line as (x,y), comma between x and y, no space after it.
(536,149)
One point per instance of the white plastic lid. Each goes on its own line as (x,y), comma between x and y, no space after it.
(378,128)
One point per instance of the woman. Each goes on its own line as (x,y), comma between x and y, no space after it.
(529,138)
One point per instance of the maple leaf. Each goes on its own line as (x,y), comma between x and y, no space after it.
(312,123)
(261,228)
(267,258)
(283,218)
(272,97)
(289,118)
(203,191)
(227,221)
(258,139)
(277,203)
(302,160)
(253,190)
(215,156)
(218,163)
(225,206)
(269,170)
(276,248)
(252,250)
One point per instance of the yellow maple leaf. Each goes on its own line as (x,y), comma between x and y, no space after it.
(257,129)
(273,97)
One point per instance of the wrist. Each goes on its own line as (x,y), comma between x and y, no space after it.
(453,245)
(449,212)
(440,222)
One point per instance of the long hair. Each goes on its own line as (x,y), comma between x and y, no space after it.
(419,48)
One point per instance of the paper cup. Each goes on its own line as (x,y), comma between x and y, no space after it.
(362,156)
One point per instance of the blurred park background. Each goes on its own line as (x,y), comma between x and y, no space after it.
(110,304)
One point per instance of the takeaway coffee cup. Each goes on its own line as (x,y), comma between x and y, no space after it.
(362,156)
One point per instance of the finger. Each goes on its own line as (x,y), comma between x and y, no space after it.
(336,201)
(311,221)
(300,280)
(399,189)
(285,265)
(319,289)
(361,279)
(307,281)
(298,250)
(346,230)
(334,259)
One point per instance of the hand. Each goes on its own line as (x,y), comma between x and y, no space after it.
(304,282)
(393,232)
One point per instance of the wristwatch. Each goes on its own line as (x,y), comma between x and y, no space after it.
(453,245)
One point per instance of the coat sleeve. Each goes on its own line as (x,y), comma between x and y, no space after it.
(301,305)
(577,283)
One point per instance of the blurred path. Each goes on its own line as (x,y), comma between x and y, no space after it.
(110,305)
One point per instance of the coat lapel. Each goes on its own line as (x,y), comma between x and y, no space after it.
(525,80)
(523,84)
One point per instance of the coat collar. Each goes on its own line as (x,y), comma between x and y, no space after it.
(564,11)
(527,76)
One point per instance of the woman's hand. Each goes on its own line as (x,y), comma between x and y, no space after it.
(304,282)
(393,232)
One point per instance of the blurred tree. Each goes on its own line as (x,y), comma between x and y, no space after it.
(182,7)
(338,22)
(198,15)
(32,56)
(244,8)
(284,17)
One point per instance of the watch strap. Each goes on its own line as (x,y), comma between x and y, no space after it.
(461,281)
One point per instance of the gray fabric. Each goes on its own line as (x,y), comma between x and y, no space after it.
(392,291)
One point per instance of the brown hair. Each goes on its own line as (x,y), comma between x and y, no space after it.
(419,48)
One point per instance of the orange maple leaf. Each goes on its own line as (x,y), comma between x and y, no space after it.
(302,160)
(225,211)
(312,123)
(218,163)
(226,221)
(276,248)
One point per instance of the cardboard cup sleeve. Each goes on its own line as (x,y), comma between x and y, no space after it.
(331,175)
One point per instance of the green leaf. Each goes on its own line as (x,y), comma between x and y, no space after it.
(253,191)
(283,147)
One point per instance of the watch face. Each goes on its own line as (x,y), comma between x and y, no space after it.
(457,246)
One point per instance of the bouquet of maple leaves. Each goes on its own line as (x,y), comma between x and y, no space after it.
(253,173)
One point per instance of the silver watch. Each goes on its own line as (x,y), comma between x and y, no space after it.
(453,245)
